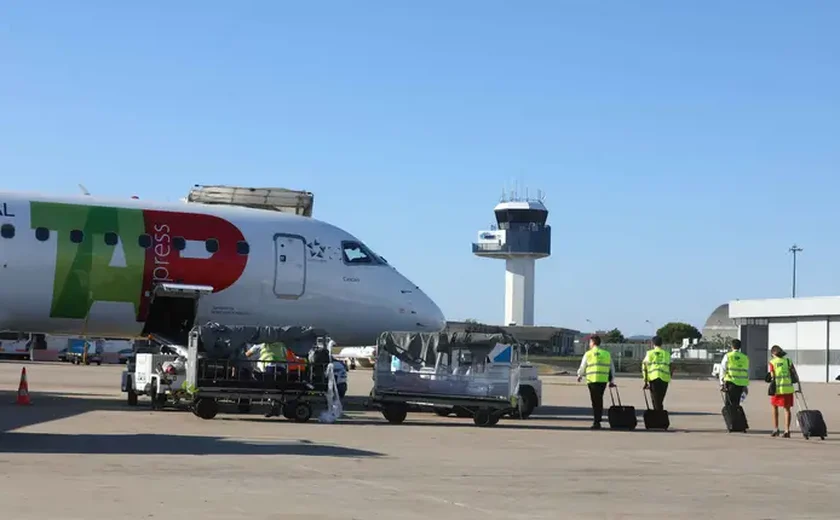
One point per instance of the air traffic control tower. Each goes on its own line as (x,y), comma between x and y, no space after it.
(520,237)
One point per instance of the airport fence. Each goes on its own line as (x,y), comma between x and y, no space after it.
(628,357)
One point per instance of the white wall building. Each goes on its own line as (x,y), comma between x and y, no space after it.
(807,328)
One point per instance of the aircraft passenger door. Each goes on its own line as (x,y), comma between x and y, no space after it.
(289,266)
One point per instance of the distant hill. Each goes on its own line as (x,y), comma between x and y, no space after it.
(640,337)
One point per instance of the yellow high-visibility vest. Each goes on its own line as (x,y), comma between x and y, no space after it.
(597,365)
(657,365)
(737,368)
(272,352)
(782,375)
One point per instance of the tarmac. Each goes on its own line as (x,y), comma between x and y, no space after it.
(79,452)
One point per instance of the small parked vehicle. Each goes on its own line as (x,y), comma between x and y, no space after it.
(125,355)
(82,352)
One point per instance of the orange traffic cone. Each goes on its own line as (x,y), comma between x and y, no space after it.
(23,389)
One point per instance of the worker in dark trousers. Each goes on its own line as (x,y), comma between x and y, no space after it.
(598,369)
(657,371)
(735,373)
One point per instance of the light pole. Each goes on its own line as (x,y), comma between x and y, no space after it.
(794,249)
(651,326)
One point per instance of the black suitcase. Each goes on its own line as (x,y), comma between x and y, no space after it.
(655,419)
(621,417)
(734,416)
(811,422)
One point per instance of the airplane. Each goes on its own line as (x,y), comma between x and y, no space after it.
(85,265)
(365,357)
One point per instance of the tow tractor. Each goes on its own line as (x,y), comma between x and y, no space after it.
(158,367)
(483,375)
(157,371)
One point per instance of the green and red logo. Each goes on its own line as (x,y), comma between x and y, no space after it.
(150,247)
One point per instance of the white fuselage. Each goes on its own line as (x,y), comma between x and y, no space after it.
(83,265)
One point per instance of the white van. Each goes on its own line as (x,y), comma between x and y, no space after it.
(18,345)
(15,344)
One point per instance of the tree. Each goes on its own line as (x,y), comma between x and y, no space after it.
(614,336)
(674,332)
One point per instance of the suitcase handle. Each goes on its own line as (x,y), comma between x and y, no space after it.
(804,405)
(724,395)
(617,397)
(645,393)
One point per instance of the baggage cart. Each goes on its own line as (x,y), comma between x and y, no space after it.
(472,374)
(218,370)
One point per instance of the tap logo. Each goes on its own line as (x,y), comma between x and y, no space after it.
(151,247)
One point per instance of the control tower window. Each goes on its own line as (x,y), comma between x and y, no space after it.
(520,216)
(354,253)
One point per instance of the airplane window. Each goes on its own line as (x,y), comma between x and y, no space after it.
(179,243)
(76,236)
(42,234)
(7,231)
(144,241)
(242,247)
(211,245)
(355,253)
(111,238)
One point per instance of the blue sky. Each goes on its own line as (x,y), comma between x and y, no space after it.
(683,148)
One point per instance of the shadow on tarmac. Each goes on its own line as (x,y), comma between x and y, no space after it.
(580,413)
(47,407)
(451,422)
(51,407)
(154,444)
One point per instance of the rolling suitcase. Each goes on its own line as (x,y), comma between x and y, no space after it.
(621,417)
(733,415)
(811,422)
(655,419)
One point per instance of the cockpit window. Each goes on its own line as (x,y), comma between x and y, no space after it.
(354,253)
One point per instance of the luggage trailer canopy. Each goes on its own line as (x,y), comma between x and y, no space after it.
(474,374)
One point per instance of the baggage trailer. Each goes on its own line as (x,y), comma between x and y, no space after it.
(218,370)
(472,374)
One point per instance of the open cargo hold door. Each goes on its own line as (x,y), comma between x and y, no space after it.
(172,310)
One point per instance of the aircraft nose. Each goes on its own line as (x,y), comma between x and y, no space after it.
(429,314)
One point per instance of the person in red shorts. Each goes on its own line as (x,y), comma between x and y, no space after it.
(781,376)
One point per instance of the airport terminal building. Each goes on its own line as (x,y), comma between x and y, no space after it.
(808,329)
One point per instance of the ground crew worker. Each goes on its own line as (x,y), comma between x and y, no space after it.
(268,354)
(597,366)
(781,376)
(656,372)
(735,373)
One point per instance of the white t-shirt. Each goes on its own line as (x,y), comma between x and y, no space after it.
(253,354)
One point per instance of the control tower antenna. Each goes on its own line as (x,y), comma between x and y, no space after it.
(520,237)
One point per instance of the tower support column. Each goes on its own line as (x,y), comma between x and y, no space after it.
(519,291)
